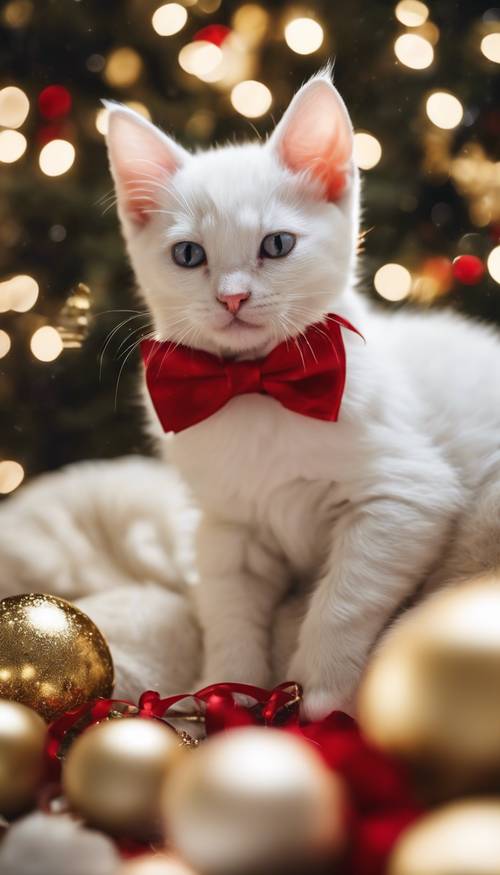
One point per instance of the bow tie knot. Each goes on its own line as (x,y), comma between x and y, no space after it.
(306,375)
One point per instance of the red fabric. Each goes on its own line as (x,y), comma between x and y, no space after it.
(381,800)
(306,375)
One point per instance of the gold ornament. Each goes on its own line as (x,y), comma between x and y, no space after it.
(156,864)
(74,317)
(52,656)
(254,799)
(22,740)
(432,693)
(114,773)
(462,838)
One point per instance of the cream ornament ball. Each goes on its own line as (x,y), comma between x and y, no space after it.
(253,800)
(22,740)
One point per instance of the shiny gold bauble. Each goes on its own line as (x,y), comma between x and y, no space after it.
(52,656)
(114,773)
(462,838)
(432,692)
(254,800)
(156,864)
(22,740)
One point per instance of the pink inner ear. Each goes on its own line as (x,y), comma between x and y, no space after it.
(142,160)
(318,137)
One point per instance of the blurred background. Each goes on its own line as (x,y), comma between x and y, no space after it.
(420,80)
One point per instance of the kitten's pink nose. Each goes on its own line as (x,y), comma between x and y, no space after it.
(233,302)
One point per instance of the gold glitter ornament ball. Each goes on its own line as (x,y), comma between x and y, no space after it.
(52,656)
(22,741)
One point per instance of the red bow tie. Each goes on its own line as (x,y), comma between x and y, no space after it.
(306,375)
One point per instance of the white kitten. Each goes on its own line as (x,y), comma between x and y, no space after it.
(361,511)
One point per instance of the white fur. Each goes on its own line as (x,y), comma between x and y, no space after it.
(360,512)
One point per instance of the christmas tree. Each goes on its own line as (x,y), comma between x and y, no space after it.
(419,81)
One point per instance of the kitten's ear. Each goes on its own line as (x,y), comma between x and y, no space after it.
(141,158)
(315,135)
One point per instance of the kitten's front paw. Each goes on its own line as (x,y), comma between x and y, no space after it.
(323,690)
(318,703)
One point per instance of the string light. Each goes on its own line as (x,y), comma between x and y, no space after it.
(367,150)
(14,107)
(414,51)
(411,13)
(18,13)
(251,21)
(5,343)
(46,344)
(169,19)
(123,67)
(304,35)
(393,282)
(490,47)
(56,157)
(200,57)
(18,293)
(11,476)
(494,264)
(12,146)
(252,99)
(444,110)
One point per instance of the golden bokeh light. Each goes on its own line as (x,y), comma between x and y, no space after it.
(411,13)
(304,35)
(46,344)
(5,343)
(252,99)
(56,157)
(12,146)
(123,67)
(490,47)
(493,264)
(200,57)
(414,51)
(393,282)
(11,476)
(169,19)
(444,110)
(14,107)
(367,150)
(18,293)
(252,22)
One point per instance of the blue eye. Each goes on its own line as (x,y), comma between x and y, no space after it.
(277,245)
(188,254)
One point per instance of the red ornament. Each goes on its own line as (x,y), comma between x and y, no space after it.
(54,101)
(213,33)
(468,269)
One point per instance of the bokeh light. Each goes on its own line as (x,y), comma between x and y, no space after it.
(18,293)
(414,51)
(14,107)
(493,264)
(56,157)
(304,35)
(200,57)
(46,344)
(5,343)
(11,476)
(252,22)
(411,13)
(169,19)
(12,146)
(123,67)
(367,150)
(393,282)
(252,99)
(490,47)
(444,110)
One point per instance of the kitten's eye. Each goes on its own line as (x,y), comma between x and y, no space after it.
(187,254)
(277,245)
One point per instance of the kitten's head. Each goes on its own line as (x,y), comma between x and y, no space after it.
(239,247)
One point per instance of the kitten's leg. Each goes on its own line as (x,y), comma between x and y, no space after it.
(381,551)
(241,582)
